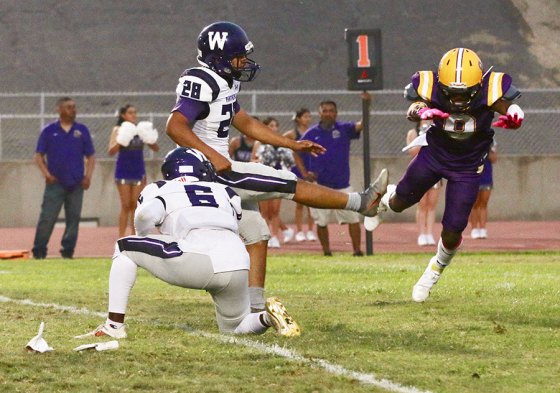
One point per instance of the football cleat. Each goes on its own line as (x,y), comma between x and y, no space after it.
(372,195)
(421,290)
(280,319)
(300,237)
(371,223)
(104,330)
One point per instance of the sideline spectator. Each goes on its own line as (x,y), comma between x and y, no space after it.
(332,169)
(479,212)
(64,144)
(302,119)
(426,209)
(128,139)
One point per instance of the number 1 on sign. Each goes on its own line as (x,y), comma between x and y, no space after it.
(363,52)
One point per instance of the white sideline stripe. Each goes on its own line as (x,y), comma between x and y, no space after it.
(368,379)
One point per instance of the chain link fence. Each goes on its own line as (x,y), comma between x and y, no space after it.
(22,116)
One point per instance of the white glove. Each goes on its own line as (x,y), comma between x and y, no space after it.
(126,132)
(147,132)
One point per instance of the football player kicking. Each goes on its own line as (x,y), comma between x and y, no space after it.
(206,107)
(461,101)
(199,248)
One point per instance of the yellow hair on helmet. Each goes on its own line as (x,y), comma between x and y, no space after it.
(460,76)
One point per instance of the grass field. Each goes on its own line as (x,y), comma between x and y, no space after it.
(492,324)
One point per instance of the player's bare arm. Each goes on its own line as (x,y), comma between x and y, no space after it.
(260,132)
(180,132)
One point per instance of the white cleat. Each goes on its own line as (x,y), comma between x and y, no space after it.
(280,319)
(421,290)
(310,236)
(103,330)
(373,194)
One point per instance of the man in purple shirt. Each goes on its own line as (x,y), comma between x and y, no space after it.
(332,169)
(64,144)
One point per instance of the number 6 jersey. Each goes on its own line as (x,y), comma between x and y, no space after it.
(202,217)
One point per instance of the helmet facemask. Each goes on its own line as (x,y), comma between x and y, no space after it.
(223,47)
(460,98)
(460,77)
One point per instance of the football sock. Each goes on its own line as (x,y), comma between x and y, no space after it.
(256,296)
(121,280)
(391,189)
(354,202)
(444,255)
(253,323)
(113,324)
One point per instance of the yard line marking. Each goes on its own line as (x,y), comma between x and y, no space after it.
(367,379)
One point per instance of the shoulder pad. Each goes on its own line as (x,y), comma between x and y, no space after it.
(410,93)
(499,85)
(423,84)
(149,192)
(512,93)
(199,84)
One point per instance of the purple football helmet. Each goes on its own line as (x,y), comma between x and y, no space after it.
(221,42)
(189,163)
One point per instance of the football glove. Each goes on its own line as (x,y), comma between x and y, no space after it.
(147,132)
(432,113)
(512,119)
(126,132)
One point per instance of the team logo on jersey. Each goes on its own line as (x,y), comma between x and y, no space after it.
(217,37)
(336,134)
(77,134)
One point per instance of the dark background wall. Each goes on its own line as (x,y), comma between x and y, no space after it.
(103,45)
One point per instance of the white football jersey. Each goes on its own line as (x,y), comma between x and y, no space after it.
(204,85)
(177,206)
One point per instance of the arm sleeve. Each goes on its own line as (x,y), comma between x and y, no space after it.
(148,215)
(191,109)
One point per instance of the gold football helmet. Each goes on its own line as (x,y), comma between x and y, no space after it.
(460,77)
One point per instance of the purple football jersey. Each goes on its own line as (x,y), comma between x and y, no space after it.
(462,140)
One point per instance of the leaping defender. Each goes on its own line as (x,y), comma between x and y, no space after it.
(461,101)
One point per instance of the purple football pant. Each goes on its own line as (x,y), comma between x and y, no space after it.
(462,188)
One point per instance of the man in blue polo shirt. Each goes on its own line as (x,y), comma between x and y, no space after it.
(332,169)
(64,144)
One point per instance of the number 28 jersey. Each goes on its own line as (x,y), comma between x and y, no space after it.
(208,101)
